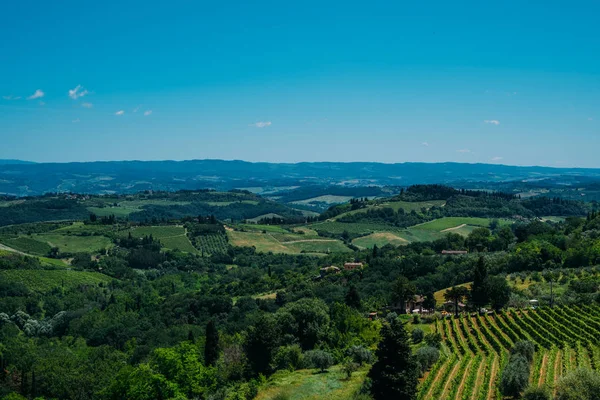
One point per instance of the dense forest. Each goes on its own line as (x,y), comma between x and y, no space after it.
(175,325)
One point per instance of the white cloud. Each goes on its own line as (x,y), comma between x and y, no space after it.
(463,151)
(137,109)
(75,121)
(78,92)
(496,158)
(37,95)
(11,97)
(120,112)
(492,121)
(148,112)
(87,105)
(425,144)
(261,124)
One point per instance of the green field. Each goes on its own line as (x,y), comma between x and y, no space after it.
(328,199)
(43,281)
(74,244)
(270,242)
(259,227)
(171,237)
(358,228)
(420,235)
(124,208)
(226,203)
(396,205)
(309,384)
(80,227)
(27,245)
(453,222)
(380,239)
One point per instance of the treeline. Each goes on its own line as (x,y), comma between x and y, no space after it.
(42,209)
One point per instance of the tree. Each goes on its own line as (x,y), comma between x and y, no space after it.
(524,348)
(349,367)
(353,298)
(395,374)
(211,348)
(537,393)
(360,355)
(261,342)
(402,291)
(426,357)
(417,335)
(479,288)
(429,302)
(515,376)
(456,294)
(319,359)
(582,383)
(498,292)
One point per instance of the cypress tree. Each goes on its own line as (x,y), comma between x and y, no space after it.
(211,348)
(394,375)
(353,298)
(479,289)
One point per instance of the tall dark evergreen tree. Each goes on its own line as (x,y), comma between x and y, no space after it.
(211,348)
(395,374)
(479,289)
(353,298)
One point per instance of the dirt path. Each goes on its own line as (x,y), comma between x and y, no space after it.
(306,240)
(453,229)
(461,386)
(492,384)
(437,377)
(557,368)
(543,369)
(450,379)
(6,248)
(479,380)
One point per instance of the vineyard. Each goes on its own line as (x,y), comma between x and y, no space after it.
(211,244)
(478,349)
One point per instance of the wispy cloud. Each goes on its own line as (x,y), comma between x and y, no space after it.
(78,92)
(590,119)
(425,144)
(11,97)
(261,124)
(41,103)
(148,112)
(463,151)
(76,121)
(496,158)
(87,105)
(492,121)
(137,109)
(120,112)
(38,94)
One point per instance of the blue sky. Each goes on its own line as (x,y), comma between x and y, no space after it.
(508,82)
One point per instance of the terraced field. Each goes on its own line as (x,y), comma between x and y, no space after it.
(565,337)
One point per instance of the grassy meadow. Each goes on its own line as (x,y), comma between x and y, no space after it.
(43,281)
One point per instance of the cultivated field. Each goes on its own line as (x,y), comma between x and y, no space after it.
(171,237)
(43,281)
(380,239)
(453,222)
(478,349)
(286,243)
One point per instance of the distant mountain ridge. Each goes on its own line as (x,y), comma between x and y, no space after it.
(23,179)
(12,162)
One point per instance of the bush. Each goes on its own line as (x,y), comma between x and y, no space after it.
(537,393)
(515,376)
(426,357)
(349,367)
(416,319)
(433,340)
(583,383)
(288,357)
(360,355)
(318,359)
(417,335)
(524,348)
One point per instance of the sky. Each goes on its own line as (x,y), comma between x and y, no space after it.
(509,82)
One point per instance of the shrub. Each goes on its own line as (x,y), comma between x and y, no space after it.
(426,357)
(360,355)
(288,357)
(318,359)
(417,335)
(416,319)
(524,348)
(537,393)
(583,383)
(349,367)
(433,340)
(515,376)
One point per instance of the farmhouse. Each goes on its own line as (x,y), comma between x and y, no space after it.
(350,266)
(454,252)
(449,306)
